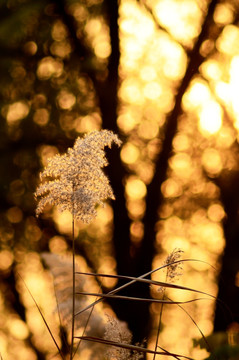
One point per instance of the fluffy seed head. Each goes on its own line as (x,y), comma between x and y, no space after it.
(78,182)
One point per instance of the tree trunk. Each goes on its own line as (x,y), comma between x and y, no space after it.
(227,309)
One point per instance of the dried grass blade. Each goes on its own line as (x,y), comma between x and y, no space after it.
(121,297)
(147,281)
(131,347)
(43,318)
(142,279)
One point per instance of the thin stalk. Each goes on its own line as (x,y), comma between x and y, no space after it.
(73,281)
(87,322)
(160,320)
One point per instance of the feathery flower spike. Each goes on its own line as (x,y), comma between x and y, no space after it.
(78,182)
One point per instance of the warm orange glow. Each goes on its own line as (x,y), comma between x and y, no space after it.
(152,90)
(14,214)
(228,41)
(59,31)
(226,137)
(135,188)
(135,23)
(136,208)
(233,88)
(155,38)
(61,49)
(127,121)
(148,73)
(45,152)
(212,70)
(210,120)
(130,91)
(148,130)
(49,67)
(223,14)
(182,165)
(181,142)
(63,221)
(57,244)
(30,48)
(129,153)
(98,34)
(18,328)
(136,231)
(88,123)
(212,162)
(171,188)
(17,111)
(197,94)
(6,259)
(179,18)
(66,100)
(41,117)
(108,267)
(215,212)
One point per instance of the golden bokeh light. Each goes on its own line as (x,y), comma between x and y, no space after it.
(61,49)
(98,34)
(212,70)
(45,152)
(233,88)
(180,18)
(130,91)
(197,94)
(102,48)
(135,188)
(66,100)
(127,121)
(181,142)
(228,42)
(174,62)
(58,31)
(136,25)
(30,48)
(152,90)
(136,231)
(136,208)
(171,188)
(88,123)
(57,244)
(108,266)
(63,221)
(210,118)
(49,67)
(148,73)
(148,130)
(215,212)
(225,137)
(41,117)
(18,328)
(6,259)
(212,162)
(129,153)
(223,14)
(17,111)
(181,164)
(14,215)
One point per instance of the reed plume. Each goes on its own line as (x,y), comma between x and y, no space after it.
(78,182)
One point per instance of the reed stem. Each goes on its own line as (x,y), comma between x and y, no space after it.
(73,283)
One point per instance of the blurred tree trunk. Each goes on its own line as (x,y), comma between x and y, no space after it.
(227,308)
(143,256)
(132,261)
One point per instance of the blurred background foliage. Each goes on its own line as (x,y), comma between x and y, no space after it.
(164,75)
